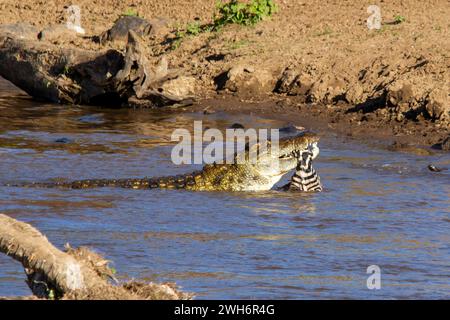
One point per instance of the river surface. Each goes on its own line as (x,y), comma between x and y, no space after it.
(378,208)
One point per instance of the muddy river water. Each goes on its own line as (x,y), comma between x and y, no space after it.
(378,208)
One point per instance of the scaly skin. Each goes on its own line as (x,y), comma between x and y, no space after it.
(259,175)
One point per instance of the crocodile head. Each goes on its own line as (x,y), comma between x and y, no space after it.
(276,162)
(260,166)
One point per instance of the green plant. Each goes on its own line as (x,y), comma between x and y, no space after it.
(233,11)
(243,13)
(399,19)
(237,44)
(51,294)
(325,32)
(176,42)
(193,28)
(66,70)
(130,12)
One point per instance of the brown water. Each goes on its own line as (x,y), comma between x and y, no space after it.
(378,207)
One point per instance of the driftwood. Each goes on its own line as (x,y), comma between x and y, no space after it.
(138,74)
(77,76)
(62,75)
(74,274)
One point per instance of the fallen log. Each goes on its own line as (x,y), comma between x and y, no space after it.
(74,274)
(55,74)
(76,76)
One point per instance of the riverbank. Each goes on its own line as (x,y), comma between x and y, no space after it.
(311,61)
(420,138)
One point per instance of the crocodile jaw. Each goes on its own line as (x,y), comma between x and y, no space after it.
(262,186)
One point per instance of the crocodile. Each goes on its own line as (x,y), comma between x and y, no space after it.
(246,175)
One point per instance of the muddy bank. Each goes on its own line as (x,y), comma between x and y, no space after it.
(310,60)
(419,137)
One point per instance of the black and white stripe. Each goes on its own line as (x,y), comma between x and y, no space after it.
(305,177)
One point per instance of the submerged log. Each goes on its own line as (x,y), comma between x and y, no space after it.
(74,274)
(76,76)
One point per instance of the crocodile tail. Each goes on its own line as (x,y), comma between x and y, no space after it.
(84,184)
(170,182)
(188,181)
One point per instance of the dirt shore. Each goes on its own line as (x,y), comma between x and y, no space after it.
(312,61)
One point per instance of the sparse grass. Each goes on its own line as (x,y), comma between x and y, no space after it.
(51,294)
(66,70)
(243,13)
(237,44)
(193,28)
(378,32)
(176,42)
(382,29)
(230,12)
(325,32)
(399,19)
(130,12)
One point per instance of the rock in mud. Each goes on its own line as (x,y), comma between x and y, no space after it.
(287,81)
(433,168)
(58,32)
(328,89)
(438,105)
(355,94)
(401,97)
(237,126)
(445,145)
(248,81)
(63,140)
(179,89)
(20,30)
(412,101)
(294,83)
(407,148)
(142,27)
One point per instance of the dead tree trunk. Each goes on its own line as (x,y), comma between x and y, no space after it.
(75,274)
(76,76)
(62,75)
